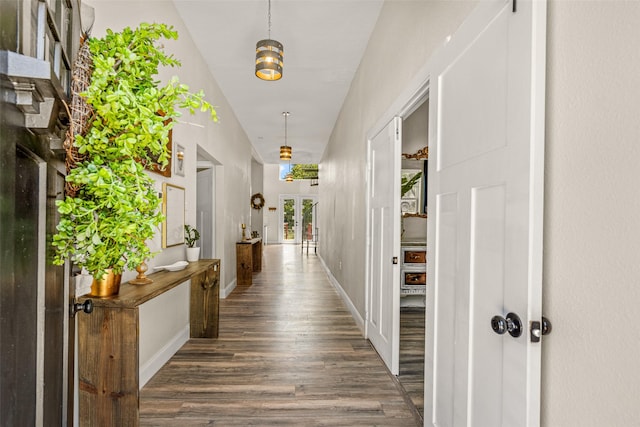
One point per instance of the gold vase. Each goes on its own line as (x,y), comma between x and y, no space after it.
(107,286)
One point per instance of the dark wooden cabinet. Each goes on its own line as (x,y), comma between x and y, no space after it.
(203,312)
(108,341)
(248,260)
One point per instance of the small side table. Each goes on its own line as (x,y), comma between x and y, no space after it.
(248,260)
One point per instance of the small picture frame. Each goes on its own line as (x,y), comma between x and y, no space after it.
(178,160)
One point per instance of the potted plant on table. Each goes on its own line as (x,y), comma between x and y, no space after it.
(191,236)
(104,226)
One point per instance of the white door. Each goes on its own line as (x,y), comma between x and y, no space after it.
(485,251)
(288,219)
(383,219)
(296,212)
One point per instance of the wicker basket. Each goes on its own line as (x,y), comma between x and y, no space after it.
(80,111)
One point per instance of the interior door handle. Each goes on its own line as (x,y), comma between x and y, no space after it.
(395,260)
(511,324)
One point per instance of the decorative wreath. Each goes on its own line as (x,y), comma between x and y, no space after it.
(257,201)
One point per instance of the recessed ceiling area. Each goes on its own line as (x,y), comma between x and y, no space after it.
(324,41)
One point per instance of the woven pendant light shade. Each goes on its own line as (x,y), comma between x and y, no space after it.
(269,57)
(269,60)
(285,152)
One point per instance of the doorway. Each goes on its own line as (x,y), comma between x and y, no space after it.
(296,212)
(205,219)
(413,183)
(206,169)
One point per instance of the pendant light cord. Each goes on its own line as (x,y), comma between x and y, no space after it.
(269,14)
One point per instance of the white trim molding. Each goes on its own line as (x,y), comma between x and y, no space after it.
(343,295)
(153,365)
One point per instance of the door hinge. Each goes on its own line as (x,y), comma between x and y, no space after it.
(395,260)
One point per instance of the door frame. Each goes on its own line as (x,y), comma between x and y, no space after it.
(297,216)
(207,240)
(416,95)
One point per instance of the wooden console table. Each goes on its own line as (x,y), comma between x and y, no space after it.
(248,260)
(108,341)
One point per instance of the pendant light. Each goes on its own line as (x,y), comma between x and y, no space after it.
(289,177)
(269,55)
(285,150)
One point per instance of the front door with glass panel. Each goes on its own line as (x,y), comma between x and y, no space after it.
(297,212)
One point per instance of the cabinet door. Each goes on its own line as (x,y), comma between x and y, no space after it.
(205,289)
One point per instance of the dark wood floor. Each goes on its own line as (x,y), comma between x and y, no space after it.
(288,354)
(412,355)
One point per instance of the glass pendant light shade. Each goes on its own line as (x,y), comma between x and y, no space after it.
(269,59)
(289,177)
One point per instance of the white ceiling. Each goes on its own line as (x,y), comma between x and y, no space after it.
(324,41)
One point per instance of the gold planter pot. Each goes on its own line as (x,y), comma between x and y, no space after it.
(107,286)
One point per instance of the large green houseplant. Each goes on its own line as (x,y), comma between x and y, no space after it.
(116,209)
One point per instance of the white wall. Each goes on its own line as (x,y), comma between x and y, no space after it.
(406,34)
(273,188)
(591,371)
(591,290)
(162,335)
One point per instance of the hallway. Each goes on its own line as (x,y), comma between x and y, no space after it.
(288,354)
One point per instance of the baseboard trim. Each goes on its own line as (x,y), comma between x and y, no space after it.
(226,291)
(345,297)
(149,369)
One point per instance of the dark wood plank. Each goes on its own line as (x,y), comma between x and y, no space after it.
(412,329)
(288,354)
(108,367)
(134,295)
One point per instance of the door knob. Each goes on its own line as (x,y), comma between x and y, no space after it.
(511,324)
(86,306)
